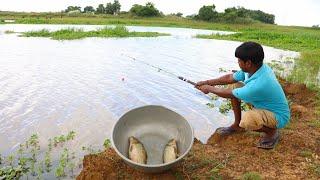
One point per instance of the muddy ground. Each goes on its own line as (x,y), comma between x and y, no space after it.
(235,156)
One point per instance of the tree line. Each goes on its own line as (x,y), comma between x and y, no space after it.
(233,15)
(109,8)
(205,13)
(148,10)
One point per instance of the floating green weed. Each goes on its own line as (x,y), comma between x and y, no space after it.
(222,70)
(73,33)
(107,143)
(8,32)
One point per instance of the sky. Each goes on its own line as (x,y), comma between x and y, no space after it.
(287,12)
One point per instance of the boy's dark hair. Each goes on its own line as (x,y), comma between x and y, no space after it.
(250,51)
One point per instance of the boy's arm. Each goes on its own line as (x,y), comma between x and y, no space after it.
(226,79)
(222,92)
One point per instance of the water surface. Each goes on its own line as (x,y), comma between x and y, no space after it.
(51,87)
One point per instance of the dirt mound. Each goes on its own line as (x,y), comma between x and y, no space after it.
(234,157)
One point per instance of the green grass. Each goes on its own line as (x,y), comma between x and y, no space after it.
(73,33)
(251,176)
(304,40)
(306,153)
(314,123)
(307,69)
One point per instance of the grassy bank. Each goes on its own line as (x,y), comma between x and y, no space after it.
(306,42)
(73,33)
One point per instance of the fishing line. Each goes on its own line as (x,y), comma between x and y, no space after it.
(170,73)
(160,69)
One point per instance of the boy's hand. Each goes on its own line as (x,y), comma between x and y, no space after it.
(204,88)
(201,83)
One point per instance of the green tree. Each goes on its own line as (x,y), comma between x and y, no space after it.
(207,13)
(136,9)
(232,14)
(73,8)
(113,8)
(261,16)
(148,10)
(116,7)
(317,26)
(88,9)
(179,14)
(109,8)
(238,12)
(100,9)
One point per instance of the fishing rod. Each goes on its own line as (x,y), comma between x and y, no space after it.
(163,70)
(168,72)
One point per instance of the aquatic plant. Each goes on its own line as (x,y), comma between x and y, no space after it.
(60,140)
(222,70)
(60,170)
(9,32)
(226,106)
(10,172)
(40,33)
(28,159)
(40,171)
(107,143)
(70,135)
(74,33)
(210,105)
(90,149)
(213,97)
(47,161)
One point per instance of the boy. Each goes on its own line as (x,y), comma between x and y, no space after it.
(260,88)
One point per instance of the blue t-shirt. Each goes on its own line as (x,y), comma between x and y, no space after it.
(263,91)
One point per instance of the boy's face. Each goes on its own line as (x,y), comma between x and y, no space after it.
(244,65)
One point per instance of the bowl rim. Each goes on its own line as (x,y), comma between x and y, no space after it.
(152,165)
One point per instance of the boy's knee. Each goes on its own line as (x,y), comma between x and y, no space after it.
(250,120)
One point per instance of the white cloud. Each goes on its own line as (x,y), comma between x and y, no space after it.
(287,12)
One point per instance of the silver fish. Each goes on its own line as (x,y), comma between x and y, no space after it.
(170,152)
(137,153)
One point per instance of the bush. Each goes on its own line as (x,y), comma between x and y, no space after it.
(207,13)
(148,10)
(233,15)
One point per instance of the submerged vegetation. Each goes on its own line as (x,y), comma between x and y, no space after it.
(31,161)
(9,32)
(73,33)
(224,105)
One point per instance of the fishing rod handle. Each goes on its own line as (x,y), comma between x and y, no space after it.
(186,80)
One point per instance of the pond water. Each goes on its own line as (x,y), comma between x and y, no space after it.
(51,87)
